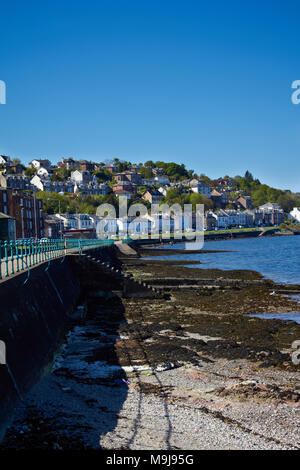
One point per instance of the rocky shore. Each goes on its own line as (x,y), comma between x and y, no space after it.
(188,369)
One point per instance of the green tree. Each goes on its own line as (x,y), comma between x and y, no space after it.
(30,172)
(61,174)
(146,172)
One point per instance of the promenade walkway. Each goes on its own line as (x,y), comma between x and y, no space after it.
(17,257)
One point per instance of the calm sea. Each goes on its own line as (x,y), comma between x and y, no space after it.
(276,258)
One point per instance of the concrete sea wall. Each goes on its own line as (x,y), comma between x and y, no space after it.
(33,312)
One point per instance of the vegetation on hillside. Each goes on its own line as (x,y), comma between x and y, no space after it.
(262,193)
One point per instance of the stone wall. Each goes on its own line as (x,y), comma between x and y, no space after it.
(33,313)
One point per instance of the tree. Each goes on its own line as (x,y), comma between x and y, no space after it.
(176,172)
(61,174)
(146,172)
(248,176)
(30,172)
(103,175)
(205,178)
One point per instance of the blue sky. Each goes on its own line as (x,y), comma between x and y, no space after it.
(207,84)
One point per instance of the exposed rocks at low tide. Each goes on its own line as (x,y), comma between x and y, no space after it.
(190,371)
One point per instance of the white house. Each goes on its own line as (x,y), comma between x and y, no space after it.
(201,188)
(233,217)
(43,172)
(243,218)
(295,213)
(4,159)
(270,206)
(40,163)
(84,221)
(37,182)
(45,184)
(221,219)
(80,177)
(69,221)
(163,190)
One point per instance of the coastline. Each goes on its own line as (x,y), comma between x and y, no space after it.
(200,373)
(213,237)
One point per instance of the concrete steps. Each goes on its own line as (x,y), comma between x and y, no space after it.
(131,287)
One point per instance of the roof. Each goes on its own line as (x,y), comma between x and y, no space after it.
(5,157)
(5,216)
(122,191)
(215,193)
(153,192)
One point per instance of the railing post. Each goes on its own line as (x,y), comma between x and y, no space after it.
(1,260)
(6,258)
(17,256)
(22,255)
(25,252)
(30,251)
(39,250)
(12,257)
(34,251)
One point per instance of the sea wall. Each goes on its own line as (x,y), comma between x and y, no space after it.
(36,309)
(33,312)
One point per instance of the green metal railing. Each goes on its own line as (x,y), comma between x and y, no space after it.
(23,254)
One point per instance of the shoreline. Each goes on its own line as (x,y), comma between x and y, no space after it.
(191,360)
(207,238)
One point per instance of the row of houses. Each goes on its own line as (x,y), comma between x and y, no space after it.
(266,215)
(70,186)
(108,226)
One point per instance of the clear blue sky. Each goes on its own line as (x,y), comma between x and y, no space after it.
(207,84)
